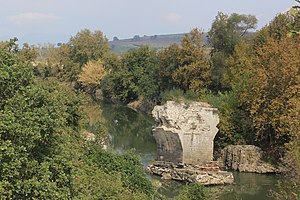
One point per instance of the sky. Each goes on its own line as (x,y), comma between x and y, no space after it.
(42,21)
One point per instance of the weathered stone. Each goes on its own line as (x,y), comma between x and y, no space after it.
(192,173)
(185,132)
(245,158)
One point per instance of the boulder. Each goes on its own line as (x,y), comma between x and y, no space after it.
(245,158)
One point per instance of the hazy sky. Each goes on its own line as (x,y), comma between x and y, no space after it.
(59,19)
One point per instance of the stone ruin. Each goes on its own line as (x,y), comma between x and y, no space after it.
(185,132)
(185,136)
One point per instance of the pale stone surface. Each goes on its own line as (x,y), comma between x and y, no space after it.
(205,174)
(185,132)
(245,158)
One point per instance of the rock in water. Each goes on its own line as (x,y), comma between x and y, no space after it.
(185,132)
(245,158)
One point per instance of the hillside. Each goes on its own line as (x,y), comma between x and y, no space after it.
(154,41)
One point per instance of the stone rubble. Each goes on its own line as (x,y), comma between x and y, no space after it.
(206,174)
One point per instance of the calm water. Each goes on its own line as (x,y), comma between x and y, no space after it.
(132,130)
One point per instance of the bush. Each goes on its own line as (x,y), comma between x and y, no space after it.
(233,126)
(179,96)
(193,191)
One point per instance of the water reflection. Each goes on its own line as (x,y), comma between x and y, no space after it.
(129,130)
(248,186)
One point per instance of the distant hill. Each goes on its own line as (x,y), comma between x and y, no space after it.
(154,41)
(39,38)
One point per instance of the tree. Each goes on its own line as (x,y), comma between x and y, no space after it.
(32,117)
(194,70)
(87,45)
(272,96)
(136,76)
(14,75)
(10,45)
(277,29)
(295,24)
(91,75)
(225,33)
(27,53)
(169,62)
(143,65)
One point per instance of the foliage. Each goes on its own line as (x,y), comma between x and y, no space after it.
(87,45)
(127,165)
(142,64)
(168,62)
(179,96)
(31,123)
(13,76)
(289,186)
(56,62)
(295,24)
(136,76)
(277,29)
(43,155)
(272,97)
(225,33)
(65,62)
(194,70)
(193,191)
(91,75)
(27,53)
(118,86)
(234,127)
(10,45)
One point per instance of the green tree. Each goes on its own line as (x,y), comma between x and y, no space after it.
(14,75)
(135,77)
(31,123)
(295,24)
(168,62)
(87,45)
(194,70)
(142,63)
(118,86)
(225,33)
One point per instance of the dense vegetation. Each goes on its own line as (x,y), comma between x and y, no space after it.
(252,78)
(43,153)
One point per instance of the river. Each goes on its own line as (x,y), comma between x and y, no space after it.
(132,130)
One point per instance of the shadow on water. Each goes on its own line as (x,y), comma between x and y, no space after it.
(129,129)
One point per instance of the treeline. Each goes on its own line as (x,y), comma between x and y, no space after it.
(252,78)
